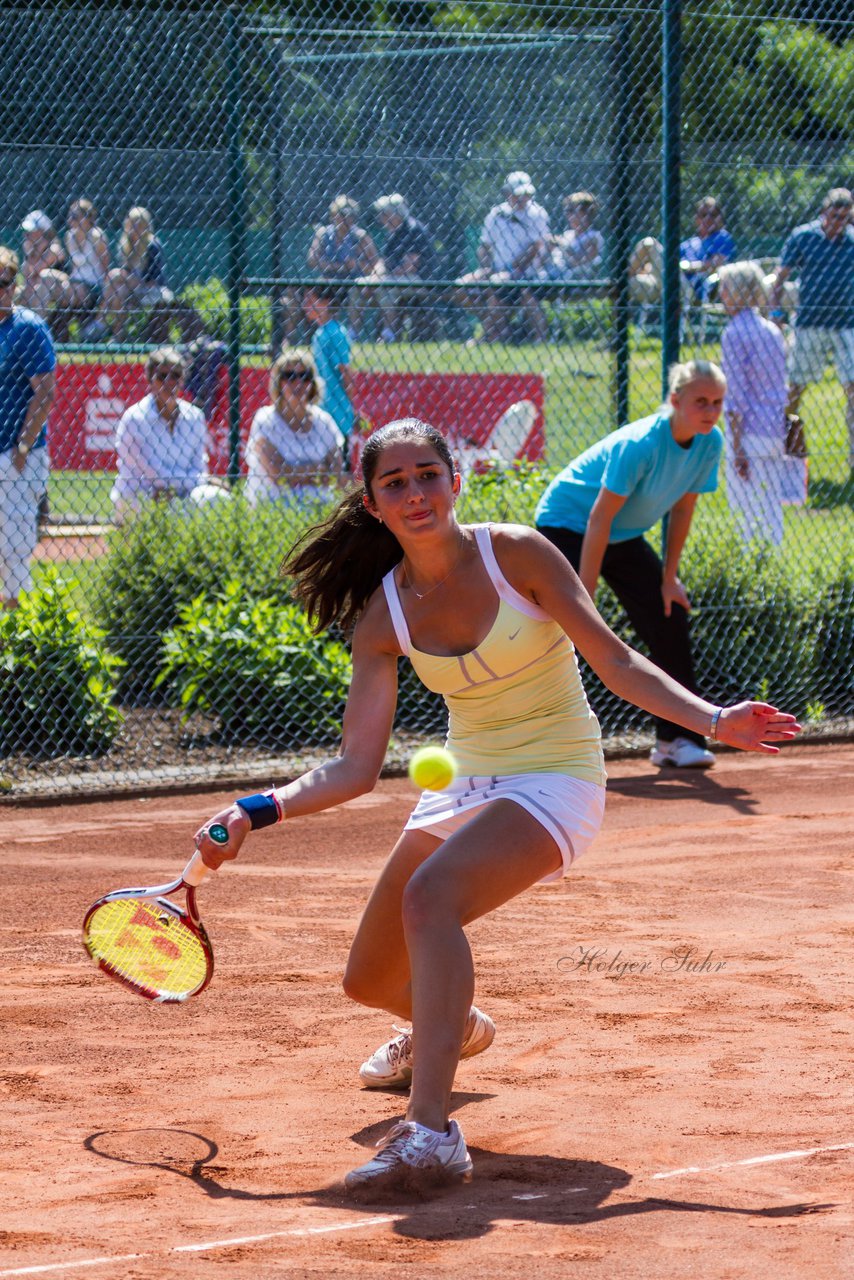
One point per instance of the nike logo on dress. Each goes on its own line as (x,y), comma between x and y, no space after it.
(515,634)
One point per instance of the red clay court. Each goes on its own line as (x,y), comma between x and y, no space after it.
(668,1094)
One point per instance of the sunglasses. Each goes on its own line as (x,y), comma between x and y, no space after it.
(296,375)
(6,282)
(169,372)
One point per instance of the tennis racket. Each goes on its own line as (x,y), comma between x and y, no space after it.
(154,946)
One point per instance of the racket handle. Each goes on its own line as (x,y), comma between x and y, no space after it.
(195,870)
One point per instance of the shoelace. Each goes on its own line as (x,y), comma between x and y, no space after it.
(399,1048)
(401,1135)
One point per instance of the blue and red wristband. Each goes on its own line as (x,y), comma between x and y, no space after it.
(264,809)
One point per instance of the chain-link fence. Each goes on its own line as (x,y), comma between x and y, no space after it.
(506,218)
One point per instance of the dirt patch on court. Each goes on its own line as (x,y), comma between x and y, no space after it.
(672,1020)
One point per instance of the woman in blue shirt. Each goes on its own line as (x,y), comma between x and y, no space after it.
(597,510)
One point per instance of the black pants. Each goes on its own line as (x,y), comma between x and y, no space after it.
(633,572)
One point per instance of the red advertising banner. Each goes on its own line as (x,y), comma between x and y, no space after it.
(482,413)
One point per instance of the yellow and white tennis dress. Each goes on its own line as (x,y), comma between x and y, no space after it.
(520,727)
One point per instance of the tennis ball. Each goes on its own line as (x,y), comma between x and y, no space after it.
(432,769)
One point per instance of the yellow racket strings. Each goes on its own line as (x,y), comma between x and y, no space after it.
(144,943)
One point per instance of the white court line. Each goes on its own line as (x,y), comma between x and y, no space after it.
(196,1248)
(735,1164)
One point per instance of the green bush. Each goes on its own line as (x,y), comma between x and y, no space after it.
(168,555)
(57,678)
(257,667)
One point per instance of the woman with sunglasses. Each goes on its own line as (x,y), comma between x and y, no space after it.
(295,450)
(27,363)
(162,443)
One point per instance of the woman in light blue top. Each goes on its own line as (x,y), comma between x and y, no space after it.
(597,510)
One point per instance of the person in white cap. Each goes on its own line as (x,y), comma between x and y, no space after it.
(46,290)
(513,246)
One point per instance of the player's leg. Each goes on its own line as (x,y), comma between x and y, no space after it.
(498,854)
(377,972)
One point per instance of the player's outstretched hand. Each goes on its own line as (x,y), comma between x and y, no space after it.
(753,726)
(237,825)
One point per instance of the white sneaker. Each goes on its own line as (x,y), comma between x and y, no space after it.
(411,1157)
(684,753)
(391,1066)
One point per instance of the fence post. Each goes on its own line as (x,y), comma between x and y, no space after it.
(621,206)
(671,181)
(236,246)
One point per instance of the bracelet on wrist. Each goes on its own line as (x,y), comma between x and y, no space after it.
(264,809)
(713,728)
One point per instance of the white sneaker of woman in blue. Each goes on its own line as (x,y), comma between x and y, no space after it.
(391,1066)
(684,753)
(413,1158)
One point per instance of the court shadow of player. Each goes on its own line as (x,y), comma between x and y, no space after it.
(522,1188)
(686,784)
(526,1188)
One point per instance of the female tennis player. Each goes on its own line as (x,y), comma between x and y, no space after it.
(490,617)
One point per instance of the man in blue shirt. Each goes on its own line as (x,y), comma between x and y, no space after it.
(27,363)
(598,509)
(822,252)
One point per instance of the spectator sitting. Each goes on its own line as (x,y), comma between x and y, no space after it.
(340,250)
(330,347)
(577,253)
(161,443)
(140,281)
(46,289)
(88,255)
(822,254)
(512,248)
(712,246)
(408,255)
(295,451)
(700,256)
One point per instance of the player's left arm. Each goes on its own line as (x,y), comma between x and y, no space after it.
(538,570)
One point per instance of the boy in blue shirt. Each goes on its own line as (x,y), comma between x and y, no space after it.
(330,347)
(597,510)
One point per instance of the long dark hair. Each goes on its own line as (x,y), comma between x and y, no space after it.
(338,565)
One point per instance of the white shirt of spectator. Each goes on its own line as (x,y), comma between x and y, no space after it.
(86,264)
(152,458)
(304,449)
(508,232)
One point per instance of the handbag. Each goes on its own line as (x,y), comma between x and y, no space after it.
(796,441)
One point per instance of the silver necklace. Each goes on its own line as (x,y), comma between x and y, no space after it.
(421,594)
